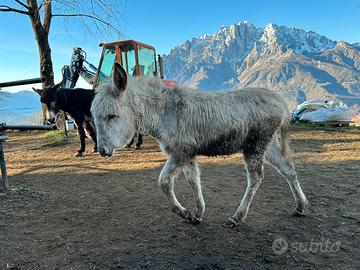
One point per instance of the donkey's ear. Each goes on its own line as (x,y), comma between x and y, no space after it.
(38,91)
(119,78)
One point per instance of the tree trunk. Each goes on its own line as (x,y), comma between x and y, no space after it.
(42,38)
(46,67)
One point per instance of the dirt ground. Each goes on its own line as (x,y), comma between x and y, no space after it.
(109,213)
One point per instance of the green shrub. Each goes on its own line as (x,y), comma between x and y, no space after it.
(55,138)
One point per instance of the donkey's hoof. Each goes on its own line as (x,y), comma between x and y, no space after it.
(138,147)
(230,223)
(192,219)
(78,154)
(195,220)
(298,213)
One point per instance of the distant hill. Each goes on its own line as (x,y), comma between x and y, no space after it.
(299,65)
(19,107)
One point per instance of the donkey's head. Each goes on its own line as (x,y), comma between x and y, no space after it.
(112,115)
(48,98)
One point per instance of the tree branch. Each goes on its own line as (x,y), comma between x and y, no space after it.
(9,9)
(47,15)
(42,3)
(35,18)
(88,16)
(22,4)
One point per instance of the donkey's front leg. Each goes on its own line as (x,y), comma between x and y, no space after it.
(82,136)
(192,175)
(166,180)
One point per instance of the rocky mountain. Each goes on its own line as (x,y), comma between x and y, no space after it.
(298,64)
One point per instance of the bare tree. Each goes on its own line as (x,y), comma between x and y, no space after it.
(95,15)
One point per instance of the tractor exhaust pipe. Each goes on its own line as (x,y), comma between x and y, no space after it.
(161,67)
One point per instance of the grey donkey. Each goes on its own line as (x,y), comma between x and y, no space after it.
(188,123)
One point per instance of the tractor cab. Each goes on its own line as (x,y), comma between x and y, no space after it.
(136,58)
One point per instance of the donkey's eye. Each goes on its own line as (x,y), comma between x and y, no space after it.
(111,116)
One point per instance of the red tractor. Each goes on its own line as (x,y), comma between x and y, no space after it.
(137,59)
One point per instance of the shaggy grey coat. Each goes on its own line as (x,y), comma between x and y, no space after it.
(187,123)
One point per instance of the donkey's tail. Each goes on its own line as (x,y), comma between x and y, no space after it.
(284,138)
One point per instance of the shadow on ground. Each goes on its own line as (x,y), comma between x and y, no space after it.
(68,215)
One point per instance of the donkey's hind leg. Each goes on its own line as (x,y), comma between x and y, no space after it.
(139,141)
(192,175)
(166,180)
(255,174)
(285,167)
(92,133)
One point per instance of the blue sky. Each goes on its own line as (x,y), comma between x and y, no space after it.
(165,24)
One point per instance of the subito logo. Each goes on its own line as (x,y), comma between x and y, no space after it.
(280,246)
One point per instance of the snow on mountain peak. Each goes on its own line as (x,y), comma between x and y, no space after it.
(269,34)
(234,42)
(279,57)
(296,39)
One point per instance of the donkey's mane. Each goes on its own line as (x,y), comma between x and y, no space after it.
(61,96)
(148,87)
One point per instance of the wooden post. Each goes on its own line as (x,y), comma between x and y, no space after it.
(3,164)
(60,123)
(3,137)
(65,128)
(4,127)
